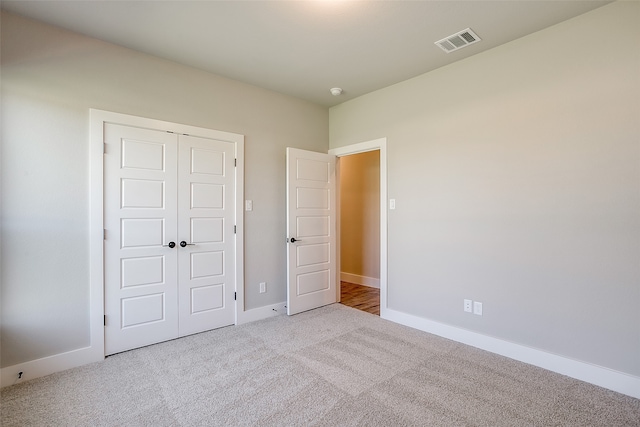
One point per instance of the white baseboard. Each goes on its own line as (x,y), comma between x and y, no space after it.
(72,359)
(262,313)
(598,375)
(360,280)
(594,374)
(48,365)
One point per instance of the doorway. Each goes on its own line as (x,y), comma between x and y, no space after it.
(359,217)
(378,145)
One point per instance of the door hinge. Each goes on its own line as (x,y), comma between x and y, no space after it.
(235,296)
(234,229)
(104,234)
(235,162)
(104,148)
(105,320)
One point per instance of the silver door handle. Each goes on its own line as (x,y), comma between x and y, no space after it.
(293,240)
(183,244)
(171,245)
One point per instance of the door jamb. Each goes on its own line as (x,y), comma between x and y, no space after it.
(373,145)
(97,119)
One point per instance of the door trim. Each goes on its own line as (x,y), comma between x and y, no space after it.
(362,147)
(97,119)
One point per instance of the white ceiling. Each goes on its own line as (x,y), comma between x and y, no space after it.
(304,48)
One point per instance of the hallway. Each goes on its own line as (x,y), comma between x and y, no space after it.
(363,298)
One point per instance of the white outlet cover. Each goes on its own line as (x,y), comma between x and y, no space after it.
(248,205)
(467,305)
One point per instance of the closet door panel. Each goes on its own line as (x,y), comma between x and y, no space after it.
(206,213)
(141,296)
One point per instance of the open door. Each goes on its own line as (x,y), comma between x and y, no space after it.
(311,230)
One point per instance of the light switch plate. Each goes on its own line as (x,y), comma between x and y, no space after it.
(477,308)
(248,205)
(392,204)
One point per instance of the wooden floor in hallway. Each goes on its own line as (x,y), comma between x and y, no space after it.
(361,297)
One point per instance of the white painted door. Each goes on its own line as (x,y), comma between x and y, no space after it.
(206,196)
(311,229)
(141,270)
(169,239)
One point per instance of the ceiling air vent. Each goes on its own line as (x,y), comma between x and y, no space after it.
(458,40)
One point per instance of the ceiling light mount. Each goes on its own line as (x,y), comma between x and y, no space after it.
(335,91)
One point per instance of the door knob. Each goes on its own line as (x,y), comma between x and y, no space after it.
(183,244)
(293,240)
(171,245)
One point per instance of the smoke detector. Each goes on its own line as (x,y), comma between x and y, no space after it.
(335,91)
(458,40)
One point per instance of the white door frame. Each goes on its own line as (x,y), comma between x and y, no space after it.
(96,216)
(363,147)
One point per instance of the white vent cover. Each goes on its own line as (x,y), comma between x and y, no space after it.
(458,40)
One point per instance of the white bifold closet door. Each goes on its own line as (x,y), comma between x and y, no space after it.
(169,235)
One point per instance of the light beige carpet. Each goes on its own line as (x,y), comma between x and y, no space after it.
(334,366)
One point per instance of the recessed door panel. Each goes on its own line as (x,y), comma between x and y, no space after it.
(142,271)
(207,162)
(142,193)
(207,264)
(313,254)
(207,298)
(313,282)
(147,155)
(137,311)
(313,170)
(312,226)
(207,196)
(137,232)
(312,198)
(207,230)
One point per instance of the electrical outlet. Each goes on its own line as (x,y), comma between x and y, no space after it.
(477,308)
(467,305)
(263,287)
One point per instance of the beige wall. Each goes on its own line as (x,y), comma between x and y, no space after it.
(360,214)
(517,179)
(50,80)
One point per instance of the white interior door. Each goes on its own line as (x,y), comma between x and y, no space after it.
(140,247)
(169,248)
(206,250)
(311,229)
